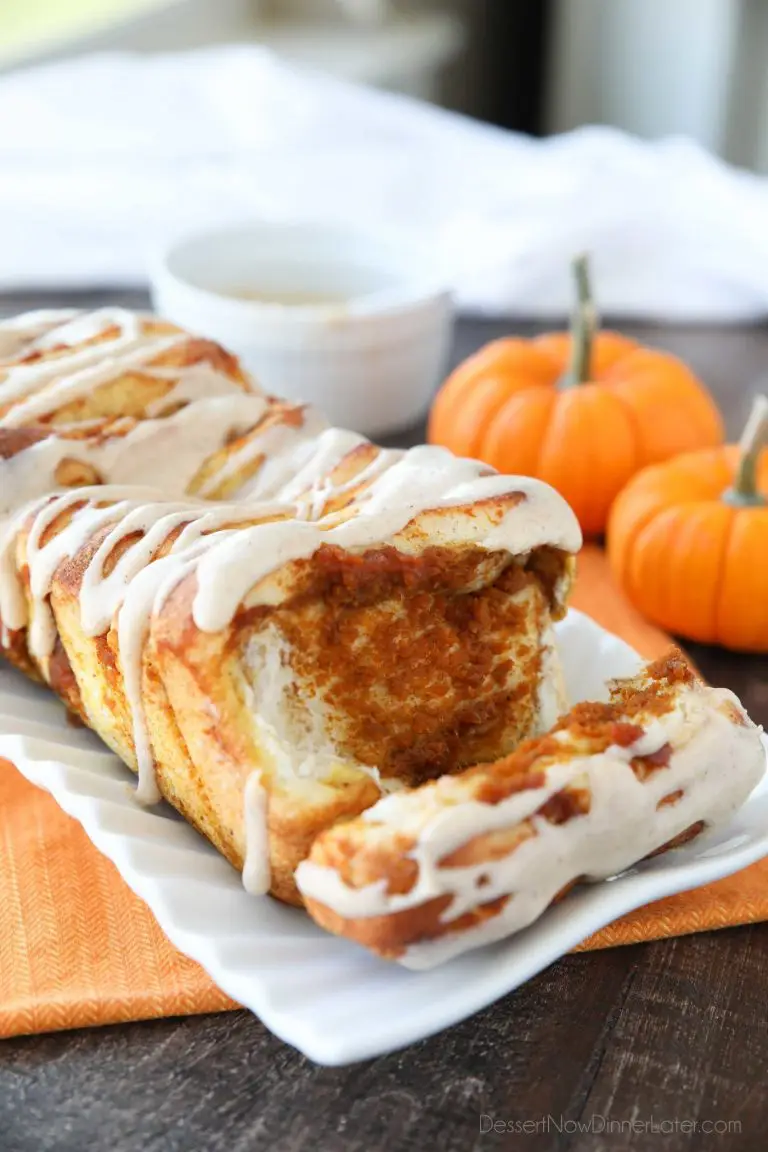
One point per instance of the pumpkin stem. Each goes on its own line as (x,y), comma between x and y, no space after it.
(583,325)
(753,440)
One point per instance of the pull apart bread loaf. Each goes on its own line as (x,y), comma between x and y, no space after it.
(276,623)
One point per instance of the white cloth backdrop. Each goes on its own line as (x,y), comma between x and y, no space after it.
(104,158)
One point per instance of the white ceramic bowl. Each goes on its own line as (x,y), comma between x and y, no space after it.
(370,355)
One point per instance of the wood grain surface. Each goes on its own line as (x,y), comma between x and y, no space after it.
(655,1046)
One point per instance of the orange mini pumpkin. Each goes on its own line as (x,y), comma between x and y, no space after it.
(688,541)
(583,410)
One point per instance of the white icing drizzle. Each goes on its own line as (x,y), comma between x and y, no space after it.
(196,382)
(169,450)
(256,869)
(317,460)
(44,559)
(323,491)
(83,326)
(303,475)
(146,593)
(33,391)
(422,480)
(714,763)
(23,334)
(277,443)
(205,407)
(36,390)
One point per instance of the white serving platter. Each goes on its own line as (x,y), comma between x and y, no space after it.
(325,996)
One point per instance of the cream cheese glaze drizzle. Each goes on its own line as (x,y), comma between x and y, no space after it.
(256,870)
(422,480)
(205,407)
(275,445)
(38,389)
(20,335)
(170,450)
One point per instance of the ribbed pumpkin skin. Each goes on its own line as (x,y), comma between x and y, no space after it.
(639,406)
(689,561)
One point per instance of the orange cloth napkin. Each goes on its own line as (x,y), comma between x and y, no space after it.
(78,948)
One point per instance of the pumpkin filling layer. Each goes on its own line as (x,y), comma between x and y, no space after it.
(410,666)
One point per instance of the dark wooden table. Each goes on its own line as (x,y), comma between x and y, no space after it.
(626,1048)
